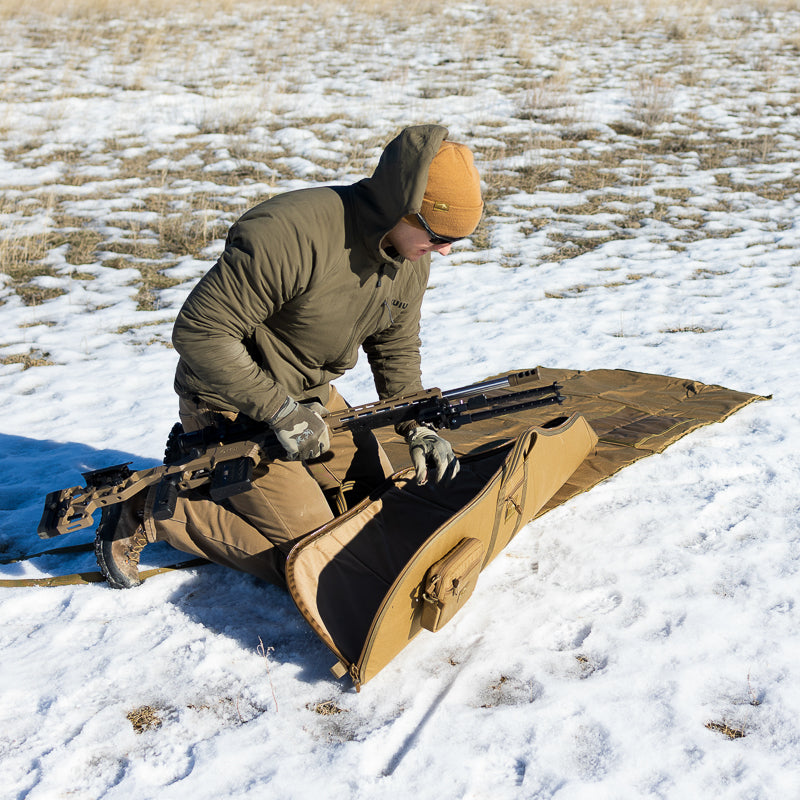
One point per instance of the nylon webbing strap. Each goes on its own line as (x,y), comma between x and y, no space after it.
(90,577)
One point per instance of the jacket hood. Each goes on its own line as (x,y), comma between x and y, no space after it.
(397,185)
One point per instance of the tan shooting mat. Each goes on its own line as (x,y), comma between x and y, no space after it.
(634,414)
(358,580)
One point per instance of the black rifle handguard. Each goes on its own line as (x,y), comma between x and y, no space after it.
(166,499)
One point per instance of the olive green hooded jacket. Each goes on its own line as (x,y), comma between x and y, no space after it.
(303,282)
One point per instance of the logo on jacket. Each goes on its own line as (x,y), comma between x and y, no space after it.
(399,304)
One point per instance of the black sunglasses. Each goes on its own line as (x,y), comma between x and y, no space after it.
(434,237)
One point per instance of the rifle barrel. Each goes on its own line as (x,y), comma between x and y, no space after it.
(513,379)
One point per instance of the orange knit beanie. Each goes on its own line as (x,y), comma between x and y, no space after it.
(452,204)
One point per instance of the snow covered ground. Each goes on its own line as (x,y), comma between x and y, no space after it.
(641,167)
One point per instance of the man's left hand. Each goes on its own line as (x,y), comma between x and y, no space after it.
(429,451)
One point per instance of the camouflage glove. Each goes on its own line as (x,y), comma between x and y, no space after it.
(300,429)
(430,451)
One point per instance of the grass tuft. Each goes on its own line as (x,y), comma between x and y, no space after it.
(732,732)
(653,101)
(151,282)
(144,718)
(33,358)
(325,709)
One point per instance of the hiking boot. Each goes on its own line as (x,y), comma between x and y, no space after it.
(120,540)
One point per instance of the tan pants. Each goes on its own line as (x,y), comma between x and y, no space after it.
(255,530)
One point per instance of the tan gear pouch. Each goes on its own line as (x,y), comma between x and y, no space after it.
(449,583)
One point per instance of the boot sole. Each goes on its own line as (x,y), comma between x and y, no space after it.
(103,542)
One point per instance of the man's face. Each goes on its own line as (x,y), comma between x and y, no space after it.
(413,243)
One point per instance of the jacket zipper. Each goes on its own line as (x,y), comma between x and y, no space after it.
(364,313)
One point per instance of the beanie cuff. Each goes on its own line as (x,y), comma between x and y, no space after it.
(454,222)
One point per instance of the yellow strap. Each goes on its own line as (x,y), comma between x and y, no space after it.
(94,577)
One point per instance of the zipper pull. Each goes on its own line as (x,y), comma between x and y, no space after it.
(354,676)
(388,308)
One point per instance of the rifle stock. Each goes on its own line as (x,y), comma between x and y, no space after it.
(224,455)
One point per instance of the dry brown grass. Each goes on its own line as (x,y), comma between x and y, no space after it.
(691,329)
(482,236)
(613,167)
(186,225)
(33,358)
(542,96)
(325,709)
(151,281)
(653,100)
(21,261)
(145,718)
(103,9)
(681,19)
(19,255)
(726,729)
(137,326)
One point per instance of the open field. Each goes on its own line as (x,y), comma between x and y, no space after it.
(131,142)
(641,167)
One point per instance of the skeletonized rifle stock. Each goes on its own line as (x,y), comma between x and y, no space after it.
(224,455)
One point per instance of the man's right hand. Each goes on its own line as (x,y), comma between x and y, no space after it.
(301,430)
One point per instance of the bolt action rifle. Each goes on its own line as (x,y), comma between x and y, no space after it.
(225,454)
